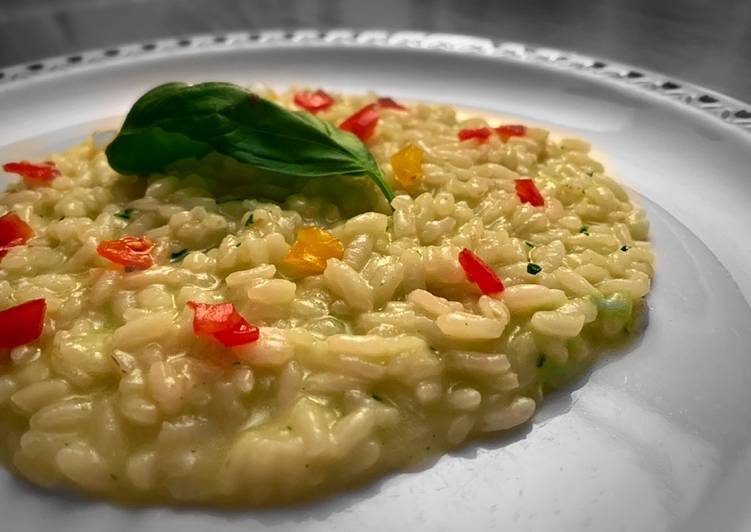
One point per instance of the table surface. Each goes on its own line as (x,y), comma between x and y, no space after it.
(701,41)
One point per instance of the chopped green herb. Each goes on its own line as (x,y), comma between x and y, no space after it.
(249,221)
(289,427)
(625,248)
(529,244)
(584,230)
(590,174)
(540,360)
(177,256)
(533,269)
(377,397)
(238,244)
(124,214)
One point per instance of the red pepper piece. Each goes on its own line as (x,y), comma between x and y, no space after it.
(511,130)
(363,122)
(241,334)
(13,232)
(223,323)
(22,324)
(34,175)
(480,273)
(313,101)
(389,103)
(528,193)
(129,251)
(211,318)
(481,133)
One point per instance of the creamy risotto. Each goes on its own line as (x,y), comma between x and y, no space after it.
(258,352)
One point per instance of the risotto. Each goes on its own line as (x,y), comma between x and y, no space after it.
(177,338)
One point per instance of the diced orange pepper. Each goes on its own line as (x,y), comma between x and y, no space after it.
(406,164)
(311,250)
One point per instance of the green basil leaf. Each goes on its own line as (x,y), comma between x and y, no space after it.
(177,121)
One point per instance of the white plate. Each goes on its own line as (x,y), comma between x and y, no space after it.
(658,438)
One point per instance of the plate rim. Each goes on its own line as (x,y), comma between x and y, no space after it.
(717,105)
(165,48)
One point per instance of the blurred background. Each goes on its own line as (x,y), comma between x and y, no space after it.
(703,41)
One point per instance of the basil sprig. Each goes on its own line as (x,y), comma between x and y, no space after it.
(177,121)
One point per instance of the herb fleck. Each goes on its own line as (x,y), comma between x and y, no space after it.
(584,230)
(540,360)
(377,397)
(289,427)
(625,248)
(529,244)
(249,221)
(177,256)
(124,214)
(533,268)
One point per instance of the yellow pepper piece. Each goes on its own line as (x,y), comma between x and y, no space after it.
(311,250)
(406,164)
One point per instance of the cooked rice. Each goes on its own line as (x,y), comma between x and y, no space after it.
(388,356)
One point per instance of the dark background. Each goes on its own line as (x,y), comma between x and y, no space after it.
(705,42)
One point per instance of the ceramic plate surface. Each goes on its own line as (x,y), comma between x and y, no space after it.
(655,438)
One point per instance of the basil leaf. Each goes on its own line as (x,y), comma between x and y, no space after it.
(177,121)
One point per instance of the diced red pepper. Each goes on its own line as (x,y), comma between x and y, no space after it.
(480,133)
(13,232)
(363,122)
(511,130)
(210,318)
(313,101)
(528,193)
(480,273)
(22,324)
(223,323)
(34,175)
(389,103)
(129,251)
(241,334)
